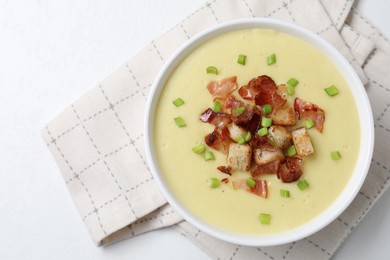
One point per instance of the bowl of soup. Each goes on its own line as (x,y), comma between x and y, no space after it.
(258,132)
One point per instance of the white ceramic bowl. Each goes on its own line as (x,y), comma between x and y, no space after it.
(366,128)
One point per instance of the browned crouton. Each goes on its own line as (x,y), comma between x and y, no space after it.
(302,142)
(239,157)
(283,116)
(263,156)
(280,136)
(235,131)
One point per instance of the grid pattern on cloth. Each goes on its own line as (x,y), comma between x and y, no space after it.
(98,141)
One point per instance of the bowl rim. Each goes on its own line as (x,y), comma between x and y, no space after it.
(366,132)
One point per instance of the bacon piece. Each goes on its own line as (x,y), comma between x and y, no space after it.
(306,110)
(272,98)
(225,180)
(269,168)
(292,170)
(221,89)
(256,85)
(220,120)
(219,139)
(225,169)
(232,103)
(260,189)
(261,142)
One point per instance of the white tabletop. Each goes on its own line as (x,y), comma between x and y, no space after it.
(51,53)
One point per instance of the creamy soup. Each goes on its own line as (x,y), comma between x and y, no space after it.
(188,173)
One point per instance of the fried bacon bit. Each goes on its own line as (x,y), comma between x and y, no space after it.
(225,180)
(220,120)
(269,168)
(225,169)
(255,86)
(261,142)
(219,139)
(260,189)
(221,89)
(306,110)
(292,170)
(272,98)
(232,103)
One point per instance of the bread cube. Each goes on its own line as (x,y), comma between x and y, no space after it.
(283,116)
(280,135)
(239,157)
(235,131)
(262,156)
(302,142)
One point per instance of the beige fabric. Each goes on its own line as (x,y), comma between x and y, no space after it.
(98,141)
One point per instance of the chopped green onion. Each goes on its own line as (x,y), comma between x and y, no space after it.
(180,121)
(178,102)
(285,193)
(212,70)
(248,137)
(240,139)
(238,111)
(332,90)
(267,108)
(271,59)
(291,151)
(290,90)
(216,106)
(263,131)
(265,218)
(241,59)
(335,155)
(302,184)
(250,182)
(198,149)
(208,155)
(292,82)
(309,123)
(266,121)
(214,183)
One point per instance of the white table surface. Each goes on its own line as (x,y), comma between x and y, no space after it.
(51,53)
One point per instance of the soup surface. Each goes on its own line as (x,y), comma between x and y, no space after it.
(188,174)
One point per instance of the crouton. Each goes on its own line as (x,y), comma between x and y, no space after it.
(262,156)
(239,157)
(283,116)
(235,131)
(280,135)
(302,142)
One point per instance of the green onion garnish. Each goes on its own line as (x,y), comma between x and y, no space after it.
(180,121)
(263,131)
(208,155)
(265,218)
(271,59)
(291,151)
(266,121)
(216,106)
(292,82)
(285,193)
(241,59)
(248,137)
(267,108)
(332,90)
(178,102)
(250,182)
(309,123)
(212,70)
(335,155)
(240,139)
(302,184)
(290,90)
(198,149)
(214,183)
(238,111)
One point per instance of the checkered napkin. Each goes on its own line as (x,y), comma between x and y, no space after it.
(98,142)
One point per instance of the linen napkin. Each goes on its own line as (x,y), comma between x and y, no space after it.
(98,141)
